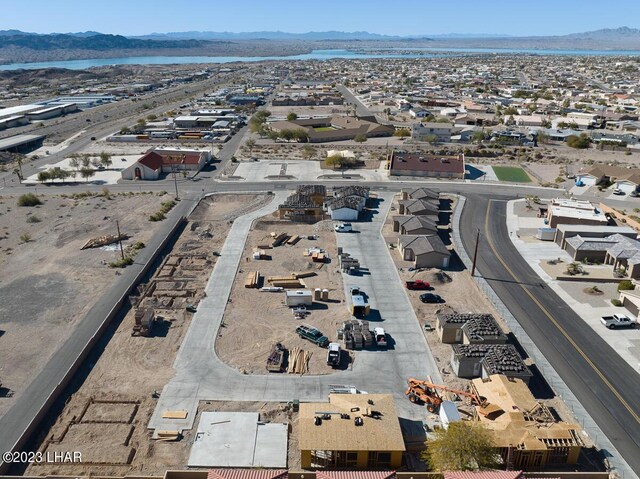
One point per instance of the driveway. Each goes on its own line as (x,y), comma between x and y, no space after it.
(201,375)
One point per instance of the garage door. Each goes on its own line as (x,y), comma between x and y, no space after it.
(587,180)
(626,186)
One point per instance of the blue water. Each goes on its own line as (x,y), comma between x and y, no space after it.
(314,55)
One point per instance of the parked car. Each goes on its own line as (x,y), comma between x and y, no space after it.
(343,228)
(431,298)
(333,355)
(381,337)
(618,321)
(313,335)
(618,191)
(418,285)
(634,194)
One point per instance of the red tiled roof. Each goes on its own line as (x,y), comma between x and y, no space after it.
(152,160)
(482,474)
(246,474)
(355,474)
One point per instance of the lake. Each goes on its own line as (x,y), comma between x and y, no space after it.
(314,55)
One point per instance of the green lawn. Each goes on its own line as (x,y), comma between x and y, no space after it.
(324,128)
(511,173)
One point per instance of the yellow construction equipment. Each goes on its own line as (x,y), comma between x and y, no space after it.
(425,392)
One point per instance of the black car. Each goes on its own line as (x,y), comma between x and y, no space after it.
(431,298)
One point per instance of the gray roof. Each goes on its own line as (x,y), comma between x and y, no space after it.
(483,328)
(412,222)
(420,205)
(13,141)
(424,193)
(352,190)
(422,244)
(590,244)
(344,202)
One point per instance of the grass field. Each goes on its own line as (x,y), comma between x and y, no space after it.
(511,173)
(324,128)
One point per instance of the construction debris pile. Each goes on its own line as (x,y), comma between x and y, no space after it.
(144,318)
(347,264)
(104,240)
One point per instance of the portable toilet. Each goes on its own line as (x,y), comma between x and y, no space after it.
(449,413)
(325,295)
(317,294)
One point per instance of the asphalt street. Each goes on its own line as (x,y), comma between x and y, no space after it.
(606,386)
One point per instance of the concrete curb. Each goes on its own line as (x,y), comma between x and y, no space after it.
(618,467)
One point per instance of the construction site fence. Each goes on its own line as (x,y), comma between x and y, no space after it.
(618,467)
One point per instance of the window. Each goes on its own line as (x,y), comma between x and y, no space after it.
(379,459)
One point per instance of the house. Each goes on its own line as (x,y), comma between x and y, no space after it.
(419,113)
(157,161)
(344,209)
(576,212)
(482,330)
(565,231)
(361,193)
(449,325)
(305,205)
(483,360)
(420,194)
(362,431)
(626,179)
(440,132)
(482,475)
(424,251)
(317,193)
(424,165)
(415,225)
(509,414)
(419,207)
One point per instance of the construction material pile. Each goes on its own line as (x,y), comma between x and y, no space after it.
(356,334)
(104,240)
(298,361)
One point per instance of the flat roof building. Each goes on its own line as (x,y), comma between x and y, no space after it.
(419,164)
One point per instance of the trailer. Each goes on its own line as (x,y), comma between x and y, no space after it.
(359,305)
(298,298)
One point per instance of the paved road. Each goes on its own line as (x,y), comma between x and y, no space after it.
(606,386)
(201,375)
(349,97)
(19,417)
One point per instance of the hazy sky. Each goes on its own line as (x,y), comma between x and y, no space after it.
(403,17)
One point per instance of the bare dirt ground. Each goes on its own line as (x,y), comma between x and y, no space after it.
(47,283)
(247,336)
(106,419)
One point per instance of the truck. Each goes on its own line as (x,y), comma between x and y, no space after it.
(618,321)
(343,228)
(359,305)
(313,335)
(418,285)
(333,355)
(380,337)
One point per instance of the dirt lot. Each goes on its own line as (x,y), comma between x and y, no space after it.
(247,338)
(47,283)
(106,419)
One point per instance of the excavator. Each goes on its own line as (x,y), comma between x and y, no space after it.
(425,392)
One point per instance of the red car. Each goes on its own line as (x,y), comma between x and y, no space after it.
(418,285)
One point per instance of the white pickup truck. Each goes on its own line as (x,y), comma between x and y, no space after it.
(618,321)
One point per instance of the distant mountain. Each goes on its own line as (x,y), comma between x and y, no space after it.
(265,35)
(90,41)
(608,34)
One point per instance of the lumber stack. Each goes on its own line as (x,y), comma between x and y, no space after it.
(293,240)
(298,361)
(253,279)
(281,238)
(286,282)
(306,274)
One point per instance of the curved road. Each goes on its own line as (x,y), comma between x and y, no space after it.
(607,387)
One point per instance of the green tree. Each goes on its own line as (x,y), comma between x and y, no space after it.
(86,160)
(250,143)
(86,173)
(44,176)
(360,138)
(74,163)
(579,142)
(477,136)
(464,446)
(308,152)
(292,116)
(105,159)
(334,161)
(300,135)
(402,133)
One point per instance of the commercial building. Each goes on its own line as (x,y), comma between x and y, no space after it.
(561,211)
(352,431)
(337,128)
(21,143)
(424,165)
(526,433)
(157,161)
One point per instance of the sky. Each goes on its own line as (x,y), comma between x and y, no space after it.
(404,17)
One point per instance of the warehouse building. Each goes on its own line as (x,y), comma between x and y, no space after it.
(21,143)
(352,431)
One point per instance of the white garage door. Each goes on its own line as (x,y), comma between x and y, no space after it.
(587,180)
(625,186)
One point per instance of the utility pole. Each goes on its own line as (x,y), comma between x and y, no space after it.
(475,254)
(120,239)
(175,181)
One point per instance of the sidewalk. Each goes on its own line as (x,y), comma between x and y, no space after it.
(627,342)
